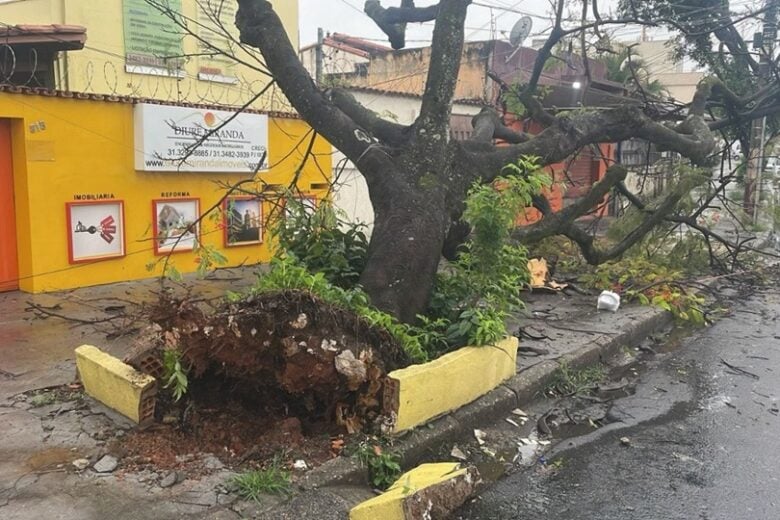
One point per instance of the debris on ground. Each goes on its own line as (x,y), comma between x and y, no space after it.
(540,276)
(80,464)
(106,464)
(169,480)
(457,453)
(608,301)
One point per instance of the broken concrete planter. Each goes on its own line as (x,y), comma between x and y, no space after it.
(427,491)
(419,393)
(116,384)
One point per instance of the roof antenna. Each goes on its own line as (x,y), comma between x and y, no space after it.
(519,33)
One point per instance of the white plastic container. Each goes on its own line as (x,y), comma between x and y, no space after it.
(608,301)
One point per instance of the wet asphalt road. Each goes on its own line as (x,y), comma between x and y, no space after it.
(704,439)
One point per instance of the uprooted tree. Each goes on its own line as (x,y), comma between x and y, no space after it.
(418,177)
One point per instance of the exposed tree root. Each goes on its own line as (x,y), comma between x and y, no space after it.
(285,350)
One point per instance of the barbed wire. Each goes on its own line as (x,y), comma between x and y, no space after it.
(92,76)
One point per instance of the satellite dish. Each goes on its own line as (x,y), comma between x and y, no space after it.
(520,31)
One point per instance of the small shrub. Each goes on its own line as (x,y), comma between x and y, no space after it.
(384,467)
(253,484)
(482,286)
(174,375)
(323,241)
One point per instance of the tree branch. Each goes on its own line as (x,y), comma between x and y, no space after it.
(563,222)
(544,53)
(533,105)
(393,20)
(572,131)
(446,55)
(260,27)
(387,131)
(488,126)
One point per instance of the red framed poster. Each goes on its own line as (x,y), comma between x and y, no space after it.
(96,230)
(175,225)
(243,221)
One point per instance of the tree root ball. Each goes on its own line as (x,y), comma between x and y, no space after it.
(275,351)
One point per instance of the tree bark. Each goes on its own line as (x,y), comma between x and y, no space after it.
(404,253)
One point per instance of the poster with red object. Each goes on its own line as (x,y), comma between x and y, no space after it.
(96,230)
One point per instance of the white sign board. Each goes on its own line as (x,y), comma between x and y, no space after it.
(184,139)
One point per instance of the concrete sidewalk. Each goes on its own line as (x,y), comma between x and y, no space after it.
(40,441)
(37,479)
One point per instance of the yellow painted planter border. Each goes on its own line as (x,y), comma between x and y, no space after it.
(403,499)
(116,384)
(419,393)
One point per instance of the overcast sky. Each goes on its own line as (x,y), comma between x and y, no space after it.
(346,16)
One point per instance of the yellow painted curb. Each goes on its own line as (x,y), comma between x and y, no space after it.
(419,393)
(116,384)
(427,489)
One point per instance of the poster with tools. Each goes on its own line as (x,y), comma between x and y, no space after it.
(96,230)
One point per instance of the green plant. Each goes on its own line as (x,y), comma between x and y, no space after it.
(323,241)
(569,381)
(384,466)
(482,286)
(174,375)
(271,480)
(208,258)
(42,399)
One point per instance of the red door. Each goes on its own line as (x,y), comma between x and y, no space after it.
(9,267)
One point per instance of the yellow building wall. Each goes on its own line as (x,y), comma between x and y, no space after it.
(67,147)
(100,66)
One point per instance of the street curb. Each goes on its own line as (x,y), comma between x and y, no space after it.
(414,445)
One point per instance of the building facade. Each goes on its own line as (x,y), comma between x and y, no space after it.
(134,49)
(88,196)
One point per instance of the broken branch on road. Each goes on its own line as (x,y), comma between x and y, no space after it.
(738,370)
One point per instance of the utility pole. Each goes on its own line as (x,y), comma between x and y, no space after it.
(755,163)
(318,62)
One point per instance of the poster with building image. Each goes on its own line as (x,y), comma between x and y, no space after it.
(96,230)
(153,42)
(243,221)
(175,225)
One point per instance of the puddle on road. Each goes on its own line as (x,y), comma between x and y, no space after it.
(50,458)
(569,429)
(675,339)
(491,470)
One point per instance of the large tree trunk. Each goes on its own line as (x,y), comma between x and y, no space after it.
(403,256)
